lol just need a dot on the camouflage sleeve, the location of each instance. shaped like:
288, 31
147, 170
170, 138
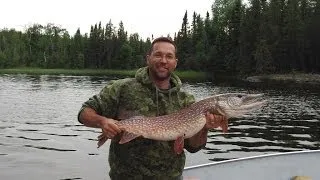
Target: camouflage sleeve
192, 149
106, 102
188, 99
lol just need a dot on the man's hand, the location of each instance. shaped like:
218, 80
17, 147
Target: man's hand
109, 128
215, 121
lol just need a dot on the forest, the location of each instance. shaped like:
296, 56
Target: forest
235, 38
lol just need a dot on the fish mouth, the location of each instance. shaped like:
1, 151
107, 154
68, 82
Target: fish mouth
250, 102
254, 101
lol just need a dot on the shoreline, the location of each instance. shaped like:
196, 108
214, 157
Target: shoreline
288, 78
298, 78
184, 75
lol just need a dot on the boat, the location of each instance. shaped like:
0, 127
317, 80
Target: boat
296, 165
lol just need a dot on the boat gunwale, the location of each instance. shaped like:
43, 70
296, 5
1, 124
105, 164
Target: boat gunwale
251, 157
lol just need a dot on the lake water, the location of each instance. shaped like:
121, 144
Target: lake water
40, 137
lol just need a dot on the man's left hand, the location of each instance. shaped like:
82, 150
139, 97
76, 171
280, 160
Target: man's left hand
215, 121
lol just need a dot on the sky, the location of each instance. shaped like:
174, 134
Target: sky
145, 17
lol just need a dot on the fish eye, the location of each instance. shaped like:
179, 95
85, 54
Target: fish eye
239, 96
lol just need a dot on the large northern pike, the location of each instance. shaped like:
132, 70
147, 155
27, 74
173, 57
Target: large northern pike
188, 121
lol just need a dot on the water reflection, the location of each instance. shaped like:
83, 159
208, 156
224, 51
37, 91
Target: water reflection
39, 129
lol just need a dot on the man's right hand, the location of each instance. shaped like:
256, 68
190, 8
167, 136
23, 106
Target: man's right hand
89, 117
109, 127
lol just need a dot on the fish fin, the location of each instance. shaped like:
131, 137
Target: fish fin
127, 136
224, 126
101, 140
179, 145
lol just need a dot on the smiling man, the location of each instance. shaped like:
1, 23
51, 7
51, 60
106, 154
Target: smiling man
161, 61
154, 91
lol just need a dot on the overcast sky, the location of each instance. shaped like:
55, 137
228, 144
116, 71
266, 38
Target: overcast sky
146, 17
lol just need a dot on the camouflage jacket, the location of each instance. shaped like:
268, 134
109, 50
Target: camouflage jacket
141, 158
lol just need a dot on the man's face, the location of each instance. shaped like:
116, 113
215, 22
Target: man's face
162, 60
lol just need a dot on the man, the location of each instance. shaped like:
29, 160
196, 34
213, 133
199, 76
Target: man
154, 91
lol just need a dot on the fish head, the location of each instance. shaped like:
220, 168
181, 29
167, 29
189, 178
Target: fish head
234, 105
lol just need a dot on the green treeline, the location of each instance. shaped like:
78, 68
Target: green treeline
274, 36
52, 47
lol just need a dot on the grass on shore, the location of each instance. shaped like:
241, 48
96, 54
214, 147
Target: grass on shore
187, 75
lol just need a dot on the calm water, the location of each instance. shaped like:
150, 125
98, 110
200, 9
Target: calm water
40, 137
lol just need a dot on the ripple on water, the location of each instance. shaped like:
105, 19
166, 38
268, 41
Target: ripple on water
28, 130
63, 135
6, 127
28, 138
49, 148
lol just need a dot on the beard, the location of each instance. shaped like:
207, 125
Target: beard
159, 76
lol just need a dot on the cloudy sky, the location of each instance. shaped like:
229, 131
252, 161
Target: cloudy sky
146, 17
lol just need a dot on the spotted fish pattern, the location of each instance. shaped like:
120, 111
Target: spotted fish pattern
188, 121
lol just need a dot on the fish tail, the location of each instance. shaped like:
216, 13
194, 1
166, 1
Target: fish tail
101, 140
